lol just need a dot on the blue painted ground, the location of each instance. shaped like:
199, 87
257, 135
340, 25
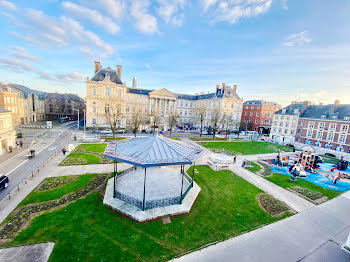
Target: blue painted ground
318, 179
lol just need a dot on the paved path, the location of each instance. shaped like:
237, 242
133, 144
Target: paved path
315, 234
29, 253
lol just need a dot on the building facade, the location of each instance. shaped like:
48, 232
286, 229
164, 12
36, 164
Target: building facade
285, 122
59, 106
7, 133
106, 89
325, 126
257, 114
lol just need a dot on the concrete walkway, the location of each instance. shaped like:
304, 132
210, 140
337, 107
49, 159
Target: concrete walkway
315, 234
29, 253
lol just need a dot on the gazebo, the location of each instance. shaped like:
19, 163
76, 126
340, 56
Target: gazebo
152, 187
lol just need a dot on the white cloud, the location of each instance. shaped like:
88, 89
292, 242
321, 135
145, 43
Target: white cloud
284, 4
115, 8
92, 15
297, 39
234, 10
7, 5
144, 22
15, 65
69, 77
20, 52
170, 11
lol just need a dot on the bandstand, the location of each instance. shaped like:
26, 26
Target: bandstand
157, 184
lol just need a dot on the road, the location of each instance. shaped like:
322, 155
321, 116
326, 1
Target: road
19, 167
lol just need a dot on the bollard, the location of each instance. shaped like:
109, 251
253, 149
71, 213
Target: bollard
18, 188
32, 174
9, 196
25, 181
38, 170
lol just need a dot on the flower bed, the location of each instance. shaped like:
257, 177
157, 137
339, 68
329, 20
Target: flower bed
310, 194
21, 216
55, 182
272, 205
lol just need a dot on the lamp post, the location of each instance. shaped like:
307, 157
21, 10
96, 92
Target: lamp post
84, 120
78, 116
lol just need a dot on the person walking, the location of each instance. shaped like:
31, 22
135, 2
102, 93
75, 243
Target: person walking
64, 151
234, 159
21, 143
10, 149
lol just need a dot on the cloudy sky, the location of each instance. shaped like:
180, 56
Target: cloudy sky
277, 50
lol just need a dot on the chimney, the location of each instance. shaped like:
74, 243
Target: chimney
336, 104
97, 66
235, 88
223, 87
217, 89
119, 71
196, 94
202, 93
134, 82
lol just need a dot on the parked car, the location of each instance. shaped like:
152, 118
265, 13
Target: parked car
4, 182
19, 135
106, 131
121, 131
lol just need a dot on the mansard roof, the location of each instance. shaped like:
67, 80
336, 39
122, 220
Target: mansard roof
327, 112
25, 91
260, 102
101, 74
139, 91
293, 109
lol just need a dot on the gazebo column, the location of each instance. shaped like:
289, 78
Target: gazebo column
144, 191
182, 183
115, 175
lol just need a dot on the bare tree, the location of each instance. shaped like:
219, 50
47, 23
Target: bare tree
137, 118
244, 124
215, 120
226, 121
113, 114
199, 113
154, 120
173, 119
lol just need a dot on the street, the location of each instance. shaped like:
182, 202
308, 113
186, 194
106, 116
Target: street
19, 167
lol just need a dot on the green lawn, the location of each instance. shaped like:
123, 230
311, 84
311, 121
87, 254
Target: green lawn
88, 230
207, 138
283, 181
248, 148
254, 167
108, 139
41, 196
95, 147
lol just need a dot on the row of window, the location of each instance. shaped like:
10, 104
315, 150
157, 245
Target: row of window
287, 117
326, 145
284, 131
10, 99
332, 126
335, 117
266, 122
257, 114
330, 136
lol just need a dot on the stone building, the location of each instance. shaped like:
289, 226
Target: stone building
325, 126
258, 115
106, 89
7, 133
63, 106
285, 122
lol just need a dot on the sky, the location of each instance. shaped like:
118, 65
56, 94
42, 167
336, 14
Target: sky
276, 50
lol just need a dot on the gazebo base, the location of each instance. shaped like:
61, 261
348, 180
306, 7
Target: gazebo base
149, 214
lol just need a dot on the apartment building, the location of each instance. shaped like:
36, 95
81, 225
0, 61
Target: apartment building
106, 89
285, 122
325, 126
257, 114
7, 133
63, 106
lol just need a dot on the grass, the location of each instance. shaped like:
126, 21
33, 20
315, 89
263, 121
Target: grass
248, 148
41, 196
283, 181
114, 139
95, 147
254, 167
88, 230
207, 139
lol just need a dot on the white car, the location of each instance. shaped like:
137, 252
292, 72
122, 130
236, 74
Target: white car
106, 131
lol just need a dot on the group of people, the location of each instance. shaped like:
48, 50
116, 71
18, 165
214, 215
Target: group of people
19, 144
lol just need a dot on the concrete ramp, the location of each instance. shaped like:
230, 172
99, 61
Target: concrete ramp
29, 253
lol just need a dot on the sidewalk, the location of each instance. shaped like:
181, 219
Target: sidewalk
316, 234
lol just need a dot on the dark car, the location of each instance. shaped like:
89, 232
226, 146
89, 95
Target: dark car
19, 135
4, 182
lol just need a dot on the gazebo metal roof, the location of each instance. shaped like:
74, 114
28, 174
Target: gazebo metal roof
152, 151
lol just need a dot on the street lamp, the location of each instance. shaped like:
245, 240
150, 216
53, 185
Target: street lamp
78, 116
84, 120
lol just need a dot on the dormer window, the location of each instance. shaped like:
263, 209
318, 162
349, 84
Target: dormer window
324, 116
346, 118
334, 117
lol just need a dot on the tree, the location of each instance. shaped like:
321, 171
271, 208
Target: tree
113, 114
226, 121
154, 120
137, 118
199, 113
173, 119
244, 124
215, 120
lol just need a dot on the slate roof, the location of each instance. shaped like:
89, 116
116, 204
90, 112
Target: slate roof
260, 102
290, 110
152, 151
139, 91
25, 91
229, 92
3, 110
101, 74
328, 111
64, 97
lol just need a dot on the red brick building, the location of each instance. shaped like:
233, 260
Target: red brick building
326, 126
257, 115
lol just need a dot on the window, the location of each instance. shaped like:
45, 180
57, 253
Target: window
332, 127
292, 132
334, 117
245, 113
274, 129
280, 130
94, 109
282, 117
247, 107
267, 121
107, 91
311, 124
319, 135
263, 115
321, 125
299, 131
286, 131
293, 124
287, 124
309, 133
288, 117
120, 94
346, 118
127, 109
251, 114
94, 121
107, 108
281, 123
330, 137
258, 107
342, 138
252, 107
344, 128
94, 91
257, 114
300, 123
256, 121
94, 103
323, 116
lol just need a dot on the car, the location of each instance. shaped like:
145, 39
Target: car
19, 135
4, 182
106, 131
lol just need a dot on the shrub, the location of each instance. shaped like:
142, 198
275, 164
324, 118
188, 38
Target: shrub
267, 170
55, 182
272, 205
310, 194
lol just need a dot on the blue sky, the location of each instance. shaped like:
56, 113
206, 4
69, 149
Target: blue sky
277, 50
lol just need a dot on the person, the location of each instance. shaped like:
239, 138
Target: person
10, 149
234, 159
21, 143
17, 144
243, 164
64, 151
336, 178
